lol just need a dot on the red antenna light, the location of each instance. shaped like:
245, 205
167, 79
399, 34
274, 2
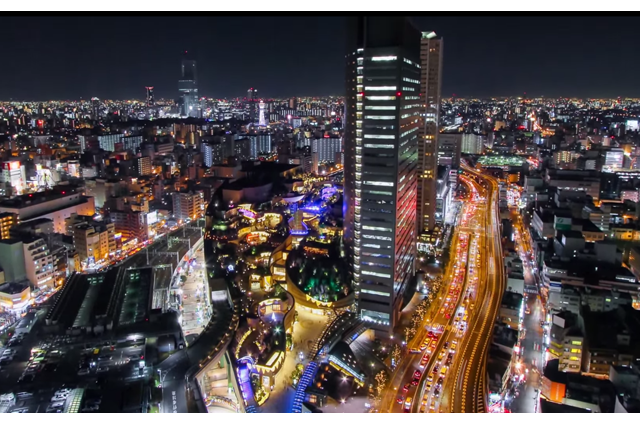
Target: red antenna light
399, 93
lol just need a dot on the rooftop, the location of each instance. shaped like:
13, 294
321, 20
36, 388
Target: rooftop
511, 300
30, 199
13, 287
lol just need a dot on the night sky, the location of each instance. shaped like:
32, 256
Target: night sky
116, 57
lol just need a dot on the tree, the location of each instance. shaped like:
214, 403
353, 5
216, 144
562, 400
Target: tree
381, 382
396, 353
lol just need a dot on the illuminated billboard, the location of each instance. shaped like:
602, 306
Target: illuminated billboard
152, 217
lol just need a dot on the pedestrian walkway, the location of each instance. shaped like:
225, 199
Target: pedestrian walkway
195, 311
305, 381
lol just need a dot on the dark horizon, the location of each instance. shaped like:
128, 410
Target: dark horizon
61, 58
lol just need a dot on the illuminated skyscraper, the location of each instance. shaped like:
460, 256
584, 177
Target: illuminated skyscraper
150, 99
188, 87
380, 153
251, 104
430, 84
262, 121
95, 108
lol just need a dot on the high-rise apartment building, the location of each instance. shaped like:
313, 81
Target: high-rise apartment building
188, 87
38, 263
94, 241
188, 205
131, 143
213, 153
430, 87
472, 144
108, 141
144, 166
381, 140
130, 225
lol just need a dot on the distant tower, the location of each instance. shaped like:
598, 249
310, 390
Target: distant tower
188, 87
262, 122
95, 106
150, 99
251, 104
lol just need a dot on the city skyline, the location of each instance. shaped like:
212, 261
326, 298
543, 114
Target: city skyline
509, 62
386, 249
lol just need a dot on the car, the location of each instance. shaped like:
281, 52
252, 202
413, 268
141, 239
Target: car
400, 400
446, 345
102, 369
443, 371
63, 392
59, 397
428, 386
83, 372
57, 404
415, 382
24, 395
440, 381
430, 377
90, 409
105, 357
407, 404
436, 392
23, 410
6, 359
417, 374
406, 387
454, 345
53, 410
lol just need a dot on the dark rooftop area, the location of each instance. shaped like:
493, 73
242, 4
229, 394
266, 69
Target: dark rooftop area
511, 300
39, 197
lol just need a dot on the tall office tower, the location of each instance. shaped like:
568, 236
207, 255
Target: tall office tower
262, 122
95, 108
251, 104
430, 84
188, 87
380, 153
150, 99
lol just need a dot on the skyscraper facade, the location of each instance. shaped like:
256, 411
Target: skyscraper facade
430, 85
380, 149
150, 98
188, 87
262, 121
